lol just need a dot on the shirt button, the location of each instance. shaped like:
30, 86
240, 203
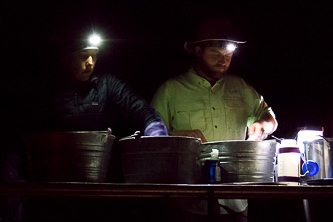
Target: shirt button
215, 126
213, 108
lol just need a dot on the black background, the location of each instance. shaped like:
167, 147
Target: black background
287, 56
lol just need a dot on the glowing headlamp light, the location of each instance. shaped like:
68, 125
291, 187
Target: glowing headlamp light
94, 40
230, 47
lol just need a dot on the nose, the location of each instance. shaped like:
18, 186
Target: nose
90, 61
222, 59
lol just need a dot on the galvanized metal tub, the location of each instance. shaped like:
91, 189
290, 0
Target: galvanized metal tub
242, 161
77, 156
160, 159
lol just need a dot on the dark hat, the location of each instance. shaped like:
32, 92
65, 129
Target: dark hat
69, 41
215, 31
68, 46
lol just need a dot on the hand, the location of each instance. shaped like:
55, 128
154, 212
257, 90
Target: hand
156, 129
257, 132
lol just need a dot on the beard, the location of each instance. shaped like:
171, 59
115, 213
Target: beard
216, 71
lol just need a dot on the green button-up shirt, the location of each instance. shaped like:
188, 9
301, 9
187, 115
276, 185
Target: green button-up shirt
221, 112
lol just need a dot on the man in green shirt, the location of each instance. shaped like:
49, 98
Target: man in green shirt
207, 98
208, 101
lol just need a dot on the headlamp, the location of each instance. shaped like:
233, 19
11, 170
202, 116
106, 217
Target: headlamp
94, 40
231, 47
226, 45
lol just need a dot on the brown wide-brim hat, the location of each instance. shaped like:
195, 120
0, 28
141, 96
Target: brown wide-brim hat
213, 30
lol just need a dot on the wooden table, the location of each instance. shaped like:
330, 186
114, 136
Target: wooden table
124, 190
147, 191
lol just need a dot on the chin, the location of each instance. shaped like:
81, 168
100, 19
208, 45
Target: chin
85, 77
222, 71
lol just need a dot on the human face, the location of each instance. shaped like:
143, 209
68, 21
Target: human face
81, 64
213, 62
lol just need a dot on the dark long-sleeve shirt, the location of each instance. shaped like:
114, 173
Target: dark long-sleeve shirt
93, 105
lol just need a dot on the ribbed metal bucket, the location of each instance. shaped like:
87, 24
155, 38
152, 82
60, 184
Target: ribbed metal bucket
242, 161
77, 156
162, 159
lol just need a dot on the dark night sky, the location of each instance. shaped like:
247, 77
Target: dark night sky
286, 57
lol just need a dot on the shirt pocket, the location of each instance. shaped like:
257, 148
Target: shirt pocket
236, 114
189, 115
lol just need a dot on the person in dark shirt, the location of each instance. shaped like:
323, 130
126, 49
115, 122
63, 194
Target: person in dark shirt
66, 94
77, 98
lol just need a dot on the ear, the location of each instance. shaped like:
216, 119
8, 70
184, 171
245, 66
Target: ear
198, 51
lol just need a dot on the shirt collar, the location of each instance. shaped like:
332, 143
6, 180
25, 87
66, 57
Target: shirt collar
93, 79
200, 81
195, 78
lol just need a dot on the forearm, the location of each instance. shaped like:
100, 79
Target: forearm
263, 127
268, 123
